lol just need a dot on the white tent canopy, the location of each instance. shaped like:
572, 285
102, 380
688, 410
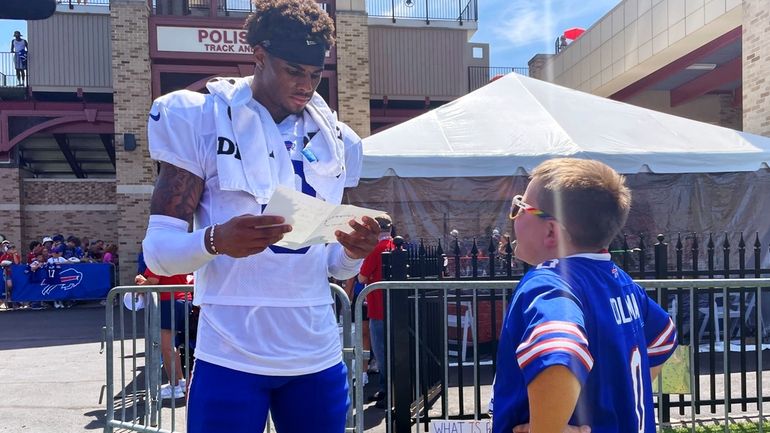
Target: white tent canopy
517, 122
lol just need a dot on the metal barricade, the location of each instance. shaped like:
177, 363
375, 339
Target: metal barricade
143, 413
662, 290
139, 407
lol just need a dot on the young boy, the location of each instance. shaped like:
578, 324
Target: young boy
581, 341
53, 269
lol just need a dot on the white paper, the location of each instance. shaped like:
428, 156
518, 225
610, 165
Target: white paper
313, 221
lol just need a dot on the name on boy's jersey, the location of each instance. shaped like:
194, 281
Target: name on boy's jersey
625, 311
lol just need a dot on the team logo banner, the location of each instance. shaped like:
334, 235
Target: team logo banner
57, 282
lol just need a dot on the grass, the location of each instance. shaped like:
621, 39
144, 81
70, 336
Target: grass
740, 427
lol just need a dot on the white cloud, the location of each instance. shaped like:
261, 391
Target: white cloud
519, 23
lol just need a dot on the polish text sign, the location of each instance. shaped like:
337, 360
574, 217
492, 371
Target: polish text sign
202, 40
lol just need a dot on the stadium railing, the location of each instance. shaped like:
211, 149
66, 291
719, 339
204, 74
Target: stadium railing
725, 380
430, 380
74, 3
690, 255
479, 76
7, 70
138, 407
137, 371
424, 10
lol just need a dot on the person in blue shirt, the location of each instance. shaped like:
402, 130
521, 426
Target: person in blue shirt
72, 249
581, 341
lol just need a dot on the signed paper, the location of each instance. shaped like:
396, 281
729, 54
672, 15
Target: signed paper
313, 221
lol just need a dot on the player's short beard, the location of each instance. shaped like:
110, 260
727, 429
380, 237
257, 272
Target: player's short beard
300, 111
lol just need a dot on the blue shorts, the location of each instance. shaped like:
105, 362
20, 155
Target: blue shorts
231, 401
181, 309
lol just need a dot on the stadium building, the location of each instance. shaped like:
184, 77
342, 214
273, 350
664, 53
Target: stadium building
706, 60
73, 147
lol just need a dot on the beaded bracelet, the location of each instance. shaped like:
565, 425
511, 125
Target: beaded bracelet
211, 239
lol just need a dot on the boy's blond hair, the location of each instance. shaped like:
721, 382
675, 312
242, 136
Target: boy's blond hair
587, 197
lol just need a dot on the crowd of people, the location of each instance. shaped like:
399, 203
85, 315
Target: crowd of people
55, 249
71, 249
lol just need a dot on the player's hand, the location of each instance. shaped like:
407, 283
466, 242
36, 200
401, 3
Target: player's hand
246, 235
524, 428
139, 280
362, 240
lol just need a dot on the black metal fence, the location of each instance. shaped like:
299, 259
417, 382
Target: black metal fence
74, 3
692, 256
246, 6
479, 76
426, 10
203, 7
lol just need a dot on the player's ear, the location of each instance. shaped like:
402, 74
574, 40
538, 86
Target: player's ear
260, 57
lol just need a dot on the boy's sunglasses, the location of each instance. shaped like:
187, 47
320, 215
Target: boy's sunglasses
518, 206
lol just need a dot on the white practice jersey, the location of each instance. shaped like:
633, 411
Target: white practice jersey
245, 323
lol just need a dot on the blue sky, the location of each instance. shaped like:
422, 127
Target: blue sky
7, 27
516, 30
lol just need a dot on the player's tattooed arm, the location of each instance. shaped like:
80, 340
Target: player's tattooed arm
177, 193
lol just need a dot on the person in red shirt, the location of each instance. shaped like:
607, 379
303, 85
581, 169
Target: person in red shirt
371, 272
10, 254
35, 249
9, 257
177, 387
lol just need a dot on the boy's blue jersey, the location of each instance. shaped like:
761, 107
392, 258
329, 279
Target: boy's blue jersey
586, 314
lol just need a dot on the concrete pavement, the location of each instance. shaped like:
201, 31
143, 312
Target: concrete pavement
51, 371
51, 376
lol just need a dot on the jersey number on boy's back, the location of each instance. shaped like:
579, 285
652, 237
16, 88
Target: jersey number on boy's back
638, 384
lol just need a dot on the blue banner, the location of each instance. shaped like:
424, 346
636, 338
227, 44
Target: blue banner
61, 282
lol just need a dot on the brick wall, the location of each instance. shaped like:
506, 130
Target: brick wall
132, 83
730, 115
756, 67
82, 207
93, 224
715, 109
537, 67
66, 192
134, 211
353, 70
10, 204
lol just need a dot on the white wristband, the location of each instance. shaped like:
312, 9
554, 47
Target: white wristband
169, 249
